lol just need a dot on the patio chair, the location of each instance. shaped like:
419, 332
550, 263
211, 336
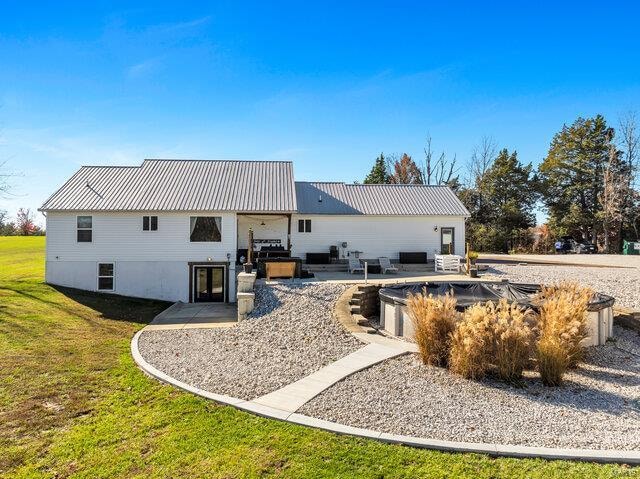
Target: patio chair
385, 265
354, 265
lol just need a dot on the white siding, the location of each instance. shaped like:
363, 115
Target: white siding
149, 264
375, 236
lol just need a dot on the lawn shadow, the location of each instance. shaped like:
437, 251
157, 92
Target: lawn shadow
116, 307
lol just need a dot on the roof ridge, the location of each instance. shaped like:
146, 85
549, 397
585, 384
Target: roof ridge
217, 160
110, 166
373, 184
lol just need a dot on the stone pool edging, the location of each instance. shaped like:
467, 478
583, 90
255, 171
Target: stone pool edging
495, 450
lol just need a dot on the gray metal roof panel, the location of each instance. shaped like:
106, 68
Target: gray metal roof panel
179, 185
406, 200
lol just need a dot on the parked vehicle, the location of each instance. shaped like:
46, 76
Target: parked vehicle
567, 245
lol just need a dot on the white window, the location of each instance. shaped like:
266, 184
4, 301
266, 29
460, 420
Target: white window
106, 274
149, 223
84, 225
304, 226
206, 228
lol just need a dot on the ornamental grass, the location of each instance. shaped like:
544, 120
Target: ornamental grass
512, 339
562, 328
471, 343
434, 319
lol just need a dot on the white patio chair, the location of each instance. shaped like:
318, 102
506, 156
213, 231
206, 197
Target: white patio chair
354, 265
385, 265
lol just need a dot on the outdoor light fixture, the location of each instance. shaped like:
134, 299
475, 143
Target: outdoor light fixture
435, 228
208, 259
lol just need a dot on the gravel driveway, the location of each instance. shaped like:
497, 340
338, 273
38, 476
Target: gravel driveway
290, 334
621, 283
597, 408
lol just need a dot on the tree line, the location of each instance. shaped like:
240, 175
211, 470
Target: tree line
23, 225
588, 184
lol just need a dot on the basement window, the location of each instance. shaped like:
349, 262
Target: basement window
84, 225
304, 226
206, 229
105, 276
150, 223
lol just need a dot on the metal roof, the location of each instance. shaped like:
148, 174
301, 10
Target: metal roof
179, 185
408, 200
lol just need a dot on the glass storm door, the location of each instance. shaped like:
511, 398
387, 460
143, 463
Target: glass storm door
446, 241
208, 284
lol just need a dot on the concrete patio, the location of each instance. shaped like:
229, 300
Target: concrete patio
195, 315
391, 278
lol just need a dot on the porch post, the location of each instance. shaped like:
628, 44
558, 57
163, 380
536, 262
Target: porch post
289, 232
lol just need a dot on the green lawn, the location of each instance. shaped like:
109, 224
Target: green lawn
73, 404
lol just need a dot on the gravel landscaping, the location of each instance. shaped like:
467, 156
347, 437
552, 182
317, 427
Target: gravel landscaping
289, 335
597, 408
621, 283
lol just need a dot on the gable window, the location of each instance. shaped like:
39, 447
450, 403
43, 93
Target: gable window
304, 226
206, 228
105, 276
150, 223
84, 227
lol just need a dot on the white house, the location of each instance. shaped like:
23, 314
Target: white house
174, 229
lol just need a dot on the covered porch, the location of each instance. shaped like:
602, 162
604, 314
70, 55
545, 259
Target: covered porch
271, 236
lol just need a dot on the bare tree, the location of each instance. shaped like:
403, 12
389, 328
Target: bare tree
629, 143
614, 191
482, 158
440, 171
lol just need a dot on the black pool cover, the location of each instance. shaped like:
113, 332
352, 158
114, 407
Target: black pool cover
469, 293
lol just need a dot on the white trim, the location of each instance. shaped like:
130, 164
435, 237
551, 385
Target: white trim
113, 276
84, 229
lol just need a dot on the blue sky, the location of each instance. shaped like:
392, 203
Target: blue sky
327, 85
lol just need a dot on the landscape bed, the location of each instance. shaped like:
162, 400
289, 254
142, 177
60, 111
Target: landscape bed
75, 405
596, 408
289, 335
395, 319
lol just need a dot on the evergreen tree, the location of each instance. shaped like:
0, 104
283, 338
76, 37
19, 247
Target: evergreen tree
378, 173
501, 203
572, 176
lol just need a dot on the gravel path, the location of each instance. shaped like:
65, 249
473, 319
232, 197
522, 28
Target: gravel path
621, 283
290, 334
597, 408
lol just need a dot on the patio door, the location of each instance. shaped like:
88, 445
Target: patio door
208, 284
447, 245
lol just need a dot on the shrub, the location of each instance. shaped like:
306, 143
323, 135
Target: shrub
471, 343
434, 319
512, 339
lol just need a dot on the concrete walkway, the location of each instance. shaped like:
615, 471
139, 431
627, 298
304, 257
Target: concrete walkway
293, 396
195, 315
